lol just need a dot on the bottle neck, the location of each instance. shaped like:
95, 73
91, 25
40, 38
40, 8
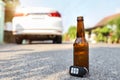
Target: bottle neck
80, 29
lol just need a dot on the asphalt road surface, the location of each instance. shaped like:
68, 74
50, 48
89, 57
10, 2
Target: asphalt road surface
46, 61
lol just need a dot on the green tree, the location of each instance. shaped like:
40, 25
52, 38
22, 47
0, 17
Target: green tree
116, 32
105, 31
72, 32
102, 34
118, 28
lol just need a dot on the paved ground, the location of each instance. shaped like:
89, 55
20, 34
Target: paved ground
45, 61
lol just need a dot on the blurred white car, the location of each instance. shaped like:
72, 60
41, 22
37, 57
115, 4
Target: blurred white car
37, 23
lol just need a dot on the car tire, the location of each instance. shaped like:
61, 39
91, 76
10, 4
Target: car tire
57, 39
18, 40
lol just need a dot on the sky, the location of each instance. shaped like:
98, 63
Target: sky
92, 10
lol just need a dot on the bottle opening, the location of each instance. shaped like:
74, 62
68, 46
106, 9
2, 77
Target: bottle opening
80, 18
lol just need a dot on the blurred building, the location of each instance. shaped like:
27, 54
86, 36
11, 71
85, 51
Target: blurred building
100, 24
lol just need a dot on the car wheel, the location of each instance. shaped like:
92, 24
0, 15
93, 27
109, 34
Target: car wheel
57, 39
18, 40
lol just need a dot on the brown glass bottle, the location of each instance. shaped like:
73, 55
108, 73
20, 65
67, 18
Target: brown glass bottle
81, 47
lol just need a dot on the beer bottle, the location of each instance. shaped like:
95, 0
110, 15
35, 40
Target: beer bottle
80, 46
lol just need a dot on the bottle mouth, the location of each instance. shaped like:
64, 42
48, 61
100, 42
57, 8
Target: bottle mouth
80, 18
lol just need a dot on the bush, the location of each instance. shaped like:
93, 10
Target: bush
72, 32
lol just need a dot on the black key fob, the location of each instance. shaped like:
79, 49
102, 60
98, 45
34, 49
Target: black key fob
78, 71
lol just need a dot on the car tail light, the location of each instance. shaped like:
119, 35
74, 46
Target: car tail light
20, 14
55, 14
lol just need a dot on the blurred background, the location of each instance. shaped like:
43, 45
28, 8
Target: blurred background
101, 18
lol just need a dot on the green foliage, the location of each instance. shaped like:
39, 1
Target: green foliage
118, 28
116, 32
102, 34
96, 31
100, 37
105, 30
114, 38
72, 32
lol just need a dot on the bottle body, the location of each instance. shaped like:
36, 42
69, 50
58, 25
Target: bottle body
81, 53
81, 46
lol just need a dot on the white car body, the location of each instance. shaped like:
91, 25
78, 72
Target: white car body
37, 23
